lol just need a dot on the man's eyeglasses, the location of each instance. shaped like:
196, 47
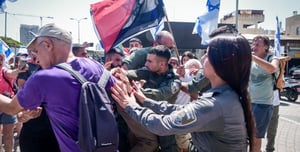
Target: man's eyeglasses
257, 45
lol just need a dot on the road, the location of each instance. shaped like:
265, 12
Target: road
290, 110
288, 132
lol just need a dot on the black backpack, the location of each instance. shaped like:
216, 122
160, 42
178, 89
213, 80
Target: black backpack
98, 131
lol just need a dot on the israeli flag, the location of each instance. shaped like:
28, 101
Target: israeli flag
157, 29
277, 50
2, 6
4, 49
208, 21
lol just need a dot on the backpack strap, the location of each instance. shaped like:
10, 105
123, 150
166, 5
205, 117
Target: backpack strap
104, 78
273, 74
101, 82
74, 73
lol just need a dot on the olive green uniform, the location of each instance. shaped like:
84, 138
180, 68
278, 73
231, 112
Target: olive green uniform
136, 59
158, 87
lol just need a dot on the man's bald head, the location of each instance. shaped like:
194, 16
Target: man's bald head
165, 38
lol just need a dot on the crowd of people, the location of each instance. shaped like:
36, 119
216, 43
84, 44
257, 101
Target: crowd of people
222, 101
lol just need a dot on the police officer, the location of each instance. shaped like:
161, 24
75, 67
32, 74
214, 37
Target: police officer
161, 84
221, 119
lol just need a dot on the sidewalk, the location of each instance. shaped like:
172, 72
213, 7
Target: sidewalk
288, 132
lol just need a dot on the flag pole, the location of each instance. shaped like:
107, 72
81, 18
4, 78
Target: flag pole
236, 15
171, 31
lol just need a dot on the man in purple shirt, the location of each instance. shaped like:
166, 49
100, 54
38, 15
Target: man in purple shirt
56, 89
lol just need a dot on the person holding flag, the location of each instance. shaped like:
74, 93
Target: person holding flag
261, 85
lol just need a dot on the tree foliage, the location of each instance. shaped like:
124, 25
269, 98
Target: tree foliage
11, 42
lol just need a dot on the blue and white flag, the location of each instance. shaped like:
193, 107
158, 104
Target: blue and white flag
2, 6
157, 29
277, 50
4, 49
208, 21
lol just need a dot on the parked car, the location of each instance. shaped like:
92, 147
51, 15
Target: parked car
295, 72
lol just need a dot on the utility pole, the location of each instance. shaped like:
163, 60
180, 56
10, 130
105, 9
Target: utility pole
5, 28
78, 25
26, 15
236, 15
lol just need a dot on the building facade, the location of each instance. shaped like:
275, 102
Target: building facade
25, 35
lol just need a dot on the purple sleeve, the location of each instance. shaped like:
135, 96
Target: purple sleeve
111, 82
31, 95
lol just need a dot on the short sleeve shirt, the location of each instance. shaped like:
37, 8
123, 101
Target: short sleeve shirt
261, 85
58, 91
5, 87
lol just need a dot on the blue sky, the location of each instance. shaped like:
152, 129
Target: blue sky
177, 10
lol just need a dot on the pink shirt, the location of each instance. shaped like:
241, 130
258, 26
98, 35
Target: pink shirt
6, 88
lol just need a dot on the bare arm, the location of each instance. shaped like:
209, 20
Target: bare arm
12, 73
10, 106
267, 66
20, 83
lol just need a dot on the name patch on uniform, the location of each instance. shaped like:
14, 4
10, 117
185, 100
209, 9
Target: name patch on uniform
185, 117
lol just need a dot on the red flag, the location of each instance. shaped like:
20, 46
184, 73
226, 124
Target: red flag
119, 20
109, 17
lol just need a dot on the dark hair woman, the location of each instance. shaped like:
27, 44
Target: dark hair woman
186, 56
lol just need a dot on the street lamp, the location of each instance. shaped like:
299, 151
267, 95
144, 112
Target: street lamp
78, 25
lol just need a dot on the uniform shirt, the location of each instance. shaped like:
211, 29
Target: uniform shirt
198, 84
58, 91
216, 120
136, 59
261, 85
165, 86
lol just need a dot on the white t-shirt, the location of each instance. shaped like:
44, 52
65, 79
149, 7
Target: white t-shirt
276, 98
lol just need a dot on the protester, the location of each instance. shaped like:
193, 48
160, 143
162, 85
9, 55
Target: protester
261, 86
79, 50
7, 77
272, 129
174, 62
187, 55
134, 44
36, 134
59, 92
113, 58
221, 120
